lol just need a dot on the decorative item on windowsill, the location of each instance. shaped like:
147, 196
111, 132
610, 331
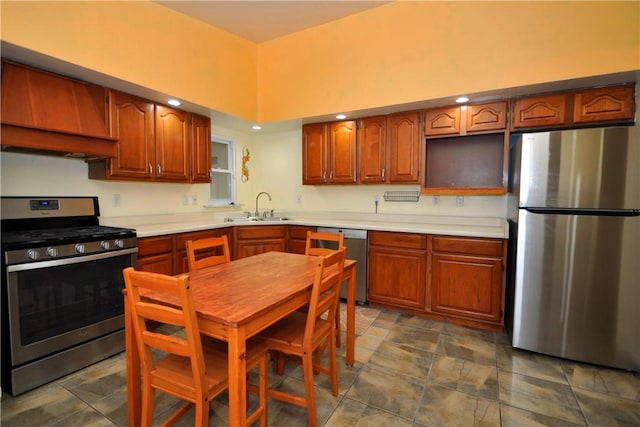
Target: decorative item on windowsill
246, 157
401, 196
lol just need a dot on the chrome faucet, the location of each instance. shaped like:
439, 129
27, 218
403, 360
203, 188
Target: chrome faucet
257, 197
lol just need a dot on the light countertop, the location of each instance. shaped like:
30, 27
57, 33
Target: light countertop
156, 225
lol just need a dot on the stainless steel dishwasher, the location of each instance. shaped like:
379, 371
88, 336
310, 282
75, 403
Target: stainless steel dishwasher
356, 244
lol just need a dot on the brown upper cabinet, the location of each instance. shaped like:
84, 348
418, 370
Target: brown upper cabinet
460, 120
604, 105
329, 153
466, 150
390, 149
46, 111
585, 107
155, 143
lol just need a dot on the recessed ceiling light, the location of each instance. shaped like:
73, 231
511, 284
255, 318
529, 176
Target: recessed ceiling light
174, 102
341, 117
462, 99
256, 127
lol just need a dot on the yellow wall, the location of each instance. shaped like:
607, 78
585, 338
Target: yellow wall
142, 43
411, 51
398, 53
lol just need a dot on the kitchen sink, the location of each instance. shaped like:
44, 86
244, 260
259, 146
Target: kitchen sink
257, 219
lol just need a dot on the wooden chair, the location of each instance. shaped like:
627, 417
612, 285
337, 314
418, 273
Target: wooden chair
300, 334
218, 245
183, 367
313, 237
312, 248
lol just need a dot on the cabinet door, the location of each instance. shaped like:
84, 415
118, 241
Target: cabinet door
200, 151
342, 152
172, 144
487, 117
132, 123
372, 150
540, 111
442, 121
155, 254
405, 148
467, 286
604, 104
314, 153
247, 248
397, 277
297, 238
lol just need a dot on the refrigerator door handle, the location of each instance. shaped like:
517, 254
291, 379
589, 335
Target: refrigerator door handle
584, 211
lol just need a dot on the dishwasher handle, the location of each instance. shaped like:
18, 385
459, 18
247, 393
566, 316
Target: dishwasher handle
349, 233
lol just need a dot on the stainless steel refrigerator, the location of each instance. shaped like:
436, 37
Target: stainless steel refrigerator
574, 206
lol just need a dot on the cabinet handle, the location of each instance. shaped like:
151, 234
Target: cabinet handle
383, 170
150, 170
331, 176
324, 176
159, 170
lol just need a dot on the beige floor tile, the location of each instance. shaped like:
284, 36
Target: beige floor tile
536, 395
613, 382
351, 413
515, 417
465, 376
443, 407
531, 364
602, 410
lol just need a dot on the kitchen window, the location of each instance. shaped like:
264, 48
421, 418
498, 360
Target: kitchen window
223, 177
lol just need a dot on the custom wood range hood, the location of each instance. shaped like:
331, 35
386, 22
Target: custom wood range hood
46, 113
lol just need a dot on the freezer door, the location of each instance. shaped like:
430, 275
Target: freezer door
577, 288
586, 168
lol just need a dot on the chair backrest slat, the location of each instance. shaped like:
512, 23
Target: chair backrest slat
313, 237
215, 248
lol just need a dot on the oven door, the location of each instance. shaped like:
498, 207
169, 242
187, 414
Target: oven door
56, 304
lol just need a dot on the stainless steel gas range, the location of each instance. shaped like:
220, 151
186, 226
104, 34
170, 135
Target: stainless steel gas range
62, 303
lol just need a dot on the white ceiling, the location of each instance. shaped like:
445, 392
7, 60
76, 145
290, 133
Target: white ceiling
264, 20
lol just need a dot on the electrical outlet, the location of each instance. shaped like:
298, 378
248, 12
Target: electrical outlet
459, 201
436, 200
185, 200
115, 202
299, 198
194, 200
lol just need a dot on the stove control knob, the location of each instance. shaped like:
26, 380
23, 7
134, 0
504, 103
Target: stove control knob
105, 245
33, 254
52, 252
119, 243
81, 248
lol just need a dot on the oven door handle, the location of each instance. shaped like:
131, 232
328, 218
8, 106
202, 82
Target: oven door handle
68, 261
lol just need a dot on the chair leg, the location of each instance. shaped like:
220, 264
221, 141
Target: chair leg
147, 406
307, 366
333, 365
338, 335
264, 418
202, 413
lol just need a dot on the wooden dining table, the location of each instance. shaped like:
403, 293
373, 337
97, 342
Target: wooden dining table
235, 301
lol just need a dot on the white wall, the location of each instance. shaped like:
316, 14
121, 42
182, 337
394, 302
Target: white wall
275, 167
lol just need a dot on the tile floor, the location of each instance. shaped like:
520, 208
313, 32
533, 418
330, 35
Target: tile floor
410, 371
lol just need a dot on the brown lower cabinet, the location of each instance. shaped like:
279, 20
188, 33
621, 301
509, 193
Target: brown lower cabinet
459, 279
297, 238
155, 254
467, 278
397, 269
256, 239
182, 265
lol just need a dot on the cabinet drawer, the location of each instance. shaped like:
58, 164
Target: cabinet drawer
468, 246
260, 232
604, 104
181, 239
402, 240
487, 117
540, 111
299, 231
155, 245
